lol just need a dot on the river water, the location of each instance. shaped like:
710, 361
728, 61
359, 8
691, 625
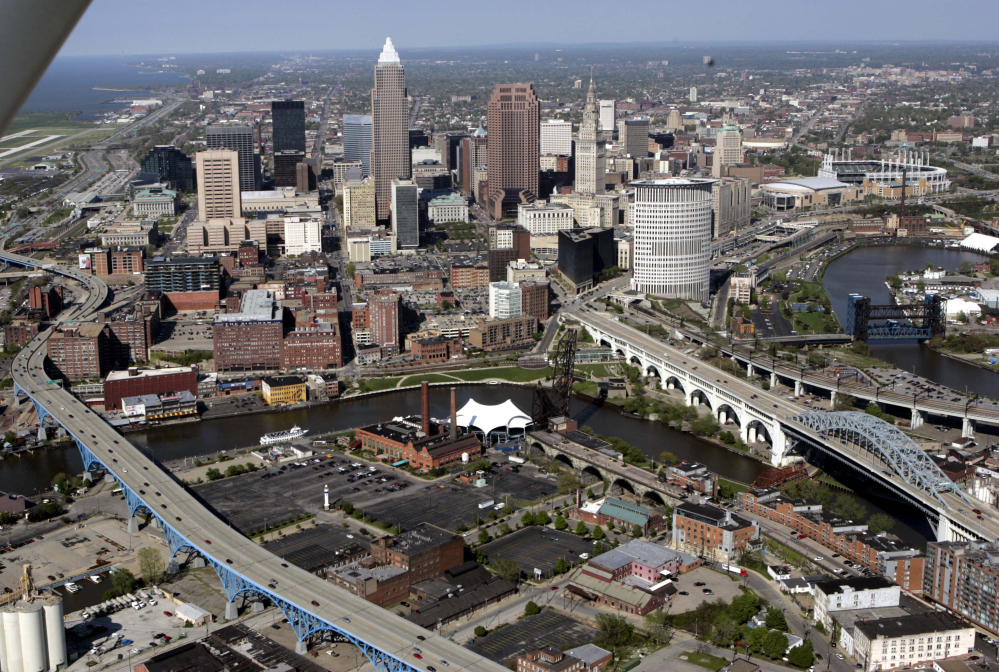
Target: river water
863, 271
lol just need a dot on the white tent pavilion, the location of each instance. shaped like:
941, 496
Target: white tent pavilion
504, 419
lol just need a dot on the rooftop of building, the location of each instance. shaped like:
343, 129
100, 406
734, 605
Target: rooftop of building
642, 552
590, 654
420, 539
688, 467
181, 261
719, 517
284, 381
147, 373
674, 182
854, 584
357, 573
913, 624
258, 305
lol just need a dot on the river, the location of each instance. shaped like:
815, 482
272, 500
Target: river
863, 271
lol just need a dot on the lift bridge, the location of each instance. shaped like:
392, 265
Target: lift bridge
922, 321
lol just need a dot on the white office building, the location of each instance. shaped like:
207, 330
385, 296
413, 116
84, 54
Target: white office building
447, 208
302, 235
672, 237
544, 219
556, 137
608, 115
728, 149
504, 300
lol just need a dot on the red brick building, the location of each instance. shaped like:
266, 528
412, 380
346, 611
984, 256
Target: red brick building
312, 347
534, 299
469, 277
384, 315
19, 332
250, 340
426, 551
437, 349
133, 382
705, 530
77, 353
47, 302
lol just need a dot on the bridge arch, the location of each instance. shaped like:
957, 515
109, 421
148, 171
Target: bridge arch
698, 397
756, 432
673, 383
590, 474
604, 342
563, 460
728, 414
620, 485
653, 370
653, 498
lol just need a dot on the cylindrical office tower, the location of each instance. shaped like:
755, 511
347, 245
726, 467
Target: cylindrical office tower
672, 242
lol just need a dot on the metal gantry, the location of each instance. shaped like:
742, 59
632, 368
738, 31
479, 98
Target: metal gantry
550, 403
305, 624
896, 449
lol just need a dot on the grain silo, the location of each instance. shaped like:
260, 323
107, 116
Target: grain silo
32, 634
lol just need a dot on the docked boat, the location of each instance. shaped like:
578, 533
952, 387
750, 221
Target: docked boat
283, 436
72, 587
96, 578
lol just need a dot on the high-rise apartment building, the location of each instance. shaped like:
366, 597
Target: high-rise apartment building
962, 576
672, 247
728, 148
556, 137
406, 213
693, 94
359, 203
633, 136
474, 154
240, 139
513, 116
288, 121
591, 150
218, 184
302, 235
171, 166
608, 115
731, 205
390, 154
504, 300
383, 312
357, 140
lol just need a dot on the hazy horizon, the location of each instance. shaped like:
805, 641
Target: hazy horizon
116, 27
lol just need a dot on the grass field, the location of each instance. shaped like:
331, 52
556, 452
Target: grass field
705, 660
599, 370
511, 373
732, 485
817, 323
47, 120
429, 377
379, 384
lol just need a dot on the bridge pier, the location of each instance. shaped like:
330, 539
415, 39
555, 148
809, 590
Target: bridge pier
779, 448
722, 417
42, 434
968, 427
88, 477
750, 435
832, 399
133, 525
750, 371
198, 563
773, 379
108, 478
918, 419
231, 611
670, 385
173, 566
302, 648
256, 607
799, 388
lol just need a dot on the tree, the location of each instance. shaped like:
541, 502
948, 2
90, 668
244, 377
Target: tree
150, 565
614, 631
757, 636
636, 531
561, 566
598, 533
505, 569
774, 644
527, 519
706, 425
480, 631
560, 523
10, 437
668, 458
880, 522
581, 529
844, 402
351, 270
744, 608
213, 474
802, 656
123, 581
532, 608
483, 537
966, 267
849, 507
776, 620
568, 481
542, 518
446, 305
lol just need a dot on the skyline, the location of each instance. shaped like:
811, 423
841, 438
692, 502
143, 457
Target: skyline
109, 26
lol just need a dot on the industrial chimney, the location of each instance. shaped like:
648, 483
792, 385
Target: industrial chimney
454, 414
425, 407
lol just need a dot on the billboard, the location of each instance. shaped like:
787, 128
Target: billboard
84, 260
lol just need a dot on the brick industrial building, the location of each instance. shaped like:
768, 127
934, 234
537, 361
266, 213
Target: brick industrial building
135, 382
187, 283
504, 334
251, 339
709, 531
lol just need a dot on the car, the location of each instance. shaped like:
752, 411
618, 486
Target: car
228, 561
976, 512
708, 591
167, 613
554, 587
445, 663
684, 592
421, 638
818, 558
314, 603
840, 656
802, 536
431, 668
699, 583
208, 541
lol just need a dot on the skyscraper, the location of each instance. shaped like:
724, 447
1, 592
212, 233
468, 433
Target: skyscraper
285, 167
406, 212
591, 150
672, 245
556, 137
633, 135
288, 119
390, 153
171, 166
608, 112
675, 121
473, 154
728, 149
218, 184
239, 138
357, 140
693, 94
514, 118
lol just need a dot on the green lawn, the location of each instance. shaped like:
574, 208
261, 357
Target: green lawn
817, 323
599, 370
379, 384
429, 377
588, 388
705, 660
732, 485
23, 122
511, 373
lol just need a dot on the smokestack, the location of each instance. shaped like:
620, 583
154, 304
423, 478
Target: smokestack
454, 414
425, 407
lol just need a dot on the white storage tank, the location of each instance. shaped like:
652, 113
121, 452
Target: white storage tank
3, 648
12, 641
55, 634
34, 650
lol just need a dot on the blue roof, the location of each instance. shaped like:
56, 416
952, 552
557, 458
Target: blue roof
630, 513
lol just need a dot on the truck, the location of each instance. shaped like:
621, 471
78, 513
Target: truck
486, 504
517, 460
735, 569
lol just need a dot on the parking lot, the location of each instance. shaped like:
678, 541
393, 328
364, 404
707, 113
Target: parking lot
721, 585
315, 545
532, 633
188, 333
535, 547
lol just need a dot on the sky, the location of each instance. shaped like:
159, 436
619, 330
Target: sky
199, 26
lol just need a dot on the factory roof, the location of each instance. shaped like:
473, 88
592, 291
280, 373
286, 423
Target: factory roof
421, 538
147, 373
643, 552
258, 305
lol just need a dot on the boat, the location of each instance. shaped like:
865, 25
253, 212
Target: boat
96, 578
283, 436
72, 587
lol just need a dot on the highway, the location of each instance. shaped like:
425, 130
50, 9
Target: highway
240, 561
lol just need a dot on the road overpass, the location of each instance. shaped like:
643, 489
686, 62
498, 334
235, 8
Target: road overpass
247, 571
878, 450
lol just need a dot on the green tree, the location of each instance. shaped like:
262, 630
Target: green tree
614, 631
744, 608
10, 437
527, 519
668, 458
213, 474
776, 620
581, 529
757, 636
151, 565
483, 537
774, 644
880, 522
560, 523
706, 425
542, 518
598, 533
561, 566
844, 402
505, 569
636, 531
532, 608
504, 529
568, 481
802, 656
123, 581
480, 631
351, 270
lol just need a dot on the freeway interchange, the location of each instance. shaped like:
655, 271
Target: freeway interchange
247, 570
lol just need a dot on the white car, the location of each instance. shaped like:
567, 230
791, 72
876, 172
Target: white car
818, 559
